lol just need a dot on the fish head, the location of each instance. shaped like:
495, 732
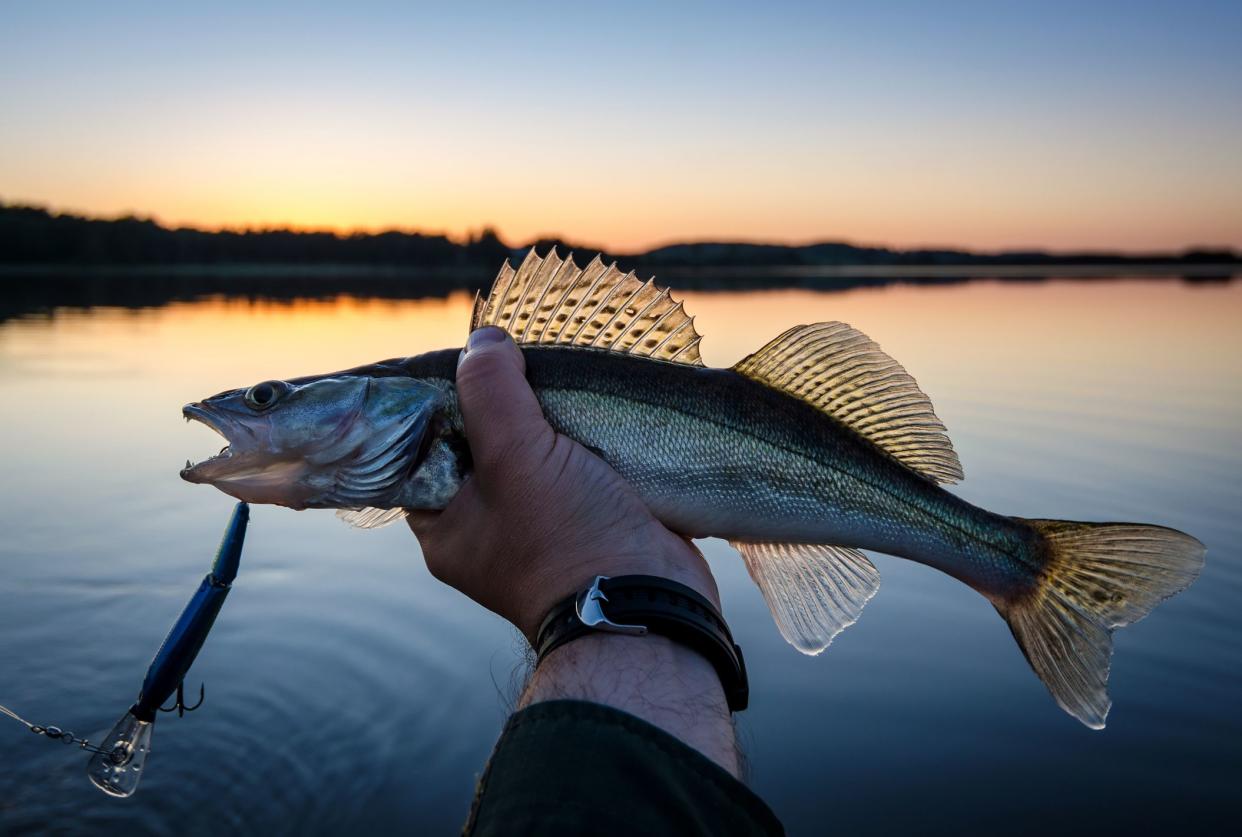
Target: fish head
328, 442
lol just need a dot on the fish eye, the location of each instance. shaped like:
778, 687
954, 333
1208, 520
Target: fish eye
261, 396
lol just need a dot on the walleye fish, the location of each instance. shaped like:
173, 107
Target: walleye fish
811, 449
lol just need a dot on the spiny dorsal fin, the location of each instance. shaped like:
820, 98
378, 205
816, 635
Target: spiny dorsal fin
814, 591
843, 372
551, 302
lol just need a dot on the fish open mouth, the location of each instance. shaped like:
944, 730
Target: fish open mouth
194, 412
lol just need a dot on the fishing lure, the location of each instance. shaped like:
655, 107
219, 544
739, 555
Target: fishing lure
118, 762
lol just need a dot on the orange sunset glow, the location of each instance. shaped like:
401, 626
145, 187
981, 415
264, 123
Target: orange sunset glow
908, 132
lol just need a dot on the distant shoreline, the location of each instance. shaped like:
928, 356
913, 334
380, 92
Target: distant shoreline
37, 242
725, 274
52, 260
44, 289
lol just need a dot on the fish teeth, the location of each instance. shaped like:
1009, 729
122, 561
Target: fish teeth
188, 464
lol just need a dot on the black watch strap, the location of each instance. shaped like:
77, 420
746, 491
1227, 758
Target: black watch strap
641, 604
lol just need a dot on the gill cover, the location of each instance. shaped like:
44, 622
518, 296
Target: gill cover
398, 414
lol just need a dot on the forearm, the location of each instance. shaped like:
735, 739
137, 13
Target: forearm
666, 684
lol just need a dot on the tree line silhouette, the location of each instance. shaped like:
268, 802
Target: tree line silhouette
32, 235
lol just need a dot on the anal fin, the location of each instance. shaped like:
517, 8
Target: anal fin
814, 591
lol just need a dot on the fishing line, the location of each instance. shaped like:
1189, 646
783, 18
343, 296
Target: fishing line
14, 715
56, 733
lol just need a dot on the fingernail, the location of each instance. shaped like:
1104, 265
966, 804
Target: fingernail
485, 336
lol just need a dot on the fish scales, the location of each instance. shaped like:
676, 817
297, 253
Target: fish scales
714, 453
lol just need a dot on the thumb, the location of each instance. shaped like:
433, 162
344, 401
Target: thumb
502, 416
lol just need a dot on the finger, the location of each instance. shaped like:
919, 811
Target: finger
500, 411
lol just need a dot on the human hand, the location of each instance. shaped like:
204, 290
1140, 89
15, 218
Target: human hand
541, 515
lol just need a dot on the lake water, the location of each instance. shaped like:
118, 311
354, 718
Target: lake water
347, 689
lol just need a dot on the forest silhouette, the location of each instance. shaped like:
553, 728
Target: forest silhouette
33, 235
52, 260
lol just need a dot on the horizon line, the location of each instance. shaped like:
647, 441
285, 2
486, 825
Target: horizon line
342, 232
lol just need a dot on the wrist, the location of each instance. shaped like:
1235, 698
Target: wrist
652, 677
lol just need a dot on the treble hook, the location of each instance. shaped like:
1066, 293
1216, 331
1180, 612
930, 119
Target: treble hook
179, 705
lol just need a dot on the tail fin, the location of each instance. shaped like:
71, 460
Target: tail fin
1098, 577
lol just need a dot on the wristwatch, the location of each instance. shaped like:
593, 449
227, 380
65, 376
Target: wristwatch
640, 604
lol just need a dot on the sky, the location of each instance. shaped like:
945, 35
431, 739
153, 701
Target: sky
988, 125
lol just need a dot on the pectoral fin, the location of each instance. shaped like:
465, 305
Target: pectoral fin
369, 518
814, 591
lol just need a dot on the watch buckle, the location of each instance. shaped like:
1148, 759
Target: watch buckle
590, 612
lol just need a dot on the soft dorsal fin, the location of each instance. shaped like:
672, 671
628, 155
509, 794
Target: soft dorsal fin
841, 371
548, 301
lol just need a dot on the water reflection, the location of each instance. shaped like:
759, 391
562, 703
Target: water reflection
347, 688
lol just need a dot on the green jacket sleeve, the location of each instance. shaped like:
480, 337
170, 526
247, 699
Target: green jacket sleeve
570, 767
